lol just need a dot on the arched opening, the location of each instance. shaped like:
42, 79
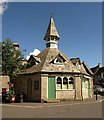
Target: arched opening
71, 83
65, 83
59, 83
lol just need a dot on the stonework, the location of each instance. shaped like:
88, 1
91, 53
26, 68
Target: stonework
4, 83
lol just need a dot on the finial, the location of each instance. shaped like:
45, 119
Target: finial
51, 14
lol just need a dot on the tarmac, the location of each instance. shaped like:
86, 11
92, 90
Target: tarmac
91, 99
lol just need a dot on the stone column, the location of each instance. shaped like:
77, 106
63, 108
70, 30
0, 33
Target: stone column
78, 87
91, 86
44, 87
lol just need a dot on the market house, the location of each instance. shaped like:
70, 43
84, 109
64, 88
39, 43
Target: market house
53, 76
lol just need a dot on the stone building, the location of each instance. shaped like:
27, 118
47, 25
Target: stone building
53, 76
4, 83
98, 74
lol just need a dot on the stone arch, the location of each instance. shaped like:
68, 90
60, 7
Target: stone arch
59, 82
65, 83
71, 83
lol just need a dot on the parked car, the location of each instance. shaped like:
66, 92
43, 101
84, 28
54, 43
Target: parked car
7, 97
98, 89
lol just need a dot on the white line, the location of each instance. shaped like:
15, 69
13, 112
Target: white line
101, 100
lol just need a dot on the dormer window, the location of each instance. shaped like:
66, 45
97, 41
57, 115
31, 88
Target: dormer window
33, 61
58, 60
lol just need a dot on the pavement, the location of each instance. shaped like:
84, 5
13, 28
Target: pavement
85, 101
94, 98
99, 98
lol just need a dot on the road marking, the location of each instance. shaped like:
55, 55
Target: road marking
54, 105
101, 100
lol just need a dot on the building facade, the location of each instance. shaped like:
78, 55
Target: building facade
98, 74
4, 83
53, 76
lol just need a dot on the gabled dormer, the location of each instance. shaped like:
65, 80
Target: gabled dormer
33, 60
59, 60
76, 61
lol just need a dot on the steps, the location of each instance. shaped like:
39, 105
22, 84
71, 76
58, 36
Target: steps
52, 101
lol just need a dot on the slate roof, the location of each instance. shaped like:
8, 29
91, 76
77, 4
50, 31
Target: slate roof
87, 68
99, 71
96, 68
45, 65
75, 60
83, 67
46, 56
51, 31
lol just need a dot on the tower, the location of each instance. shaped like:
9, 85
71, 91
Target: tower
51, 36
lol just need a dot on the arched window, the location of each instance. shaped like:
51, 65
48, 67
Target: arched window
71, 83
65, 80
65, 83
58, 61
59, 83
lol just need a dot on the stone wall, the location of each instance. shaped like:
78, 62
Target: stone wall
26, 84
78, 87
91, 87
4, 82
65, 94
44, 87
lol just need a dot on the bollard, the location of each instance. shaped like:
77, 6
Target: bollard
21, 97
96, 94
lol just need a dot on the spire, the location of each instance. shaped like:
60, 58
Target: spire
51, 35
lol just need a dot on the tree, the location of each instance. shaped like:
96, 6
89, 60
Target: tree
11, 60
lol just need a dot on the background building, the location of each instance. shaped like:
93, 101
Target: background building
98, 72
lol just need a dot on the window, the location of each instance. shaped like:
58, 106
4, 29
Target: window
36, 85
59, 83
85, 83
71, 83
48, 45
59, 60
52, 38
65, 83
99, 76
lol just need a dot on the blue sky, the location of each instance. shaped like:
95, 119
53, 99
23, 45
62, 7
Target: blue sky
78, 24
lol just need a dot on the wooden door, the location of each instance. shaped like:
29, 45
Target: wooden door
51, 87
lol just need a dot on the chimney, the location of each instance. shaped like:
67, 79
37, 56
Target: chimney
99, 65
16, 46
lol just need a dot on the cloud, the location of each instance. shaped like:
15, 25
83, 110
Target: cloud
3, 5
35, 53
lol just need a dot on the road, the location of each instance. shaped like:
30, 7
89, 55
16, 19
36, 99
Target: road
77, 109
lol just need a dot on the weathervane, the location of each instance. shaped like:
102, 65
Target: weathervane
51, 14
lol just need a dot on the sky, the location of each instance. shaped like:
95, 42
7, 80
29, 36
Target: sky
79, 25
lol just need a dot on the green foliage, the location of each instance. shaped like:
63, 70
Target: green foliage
11, 60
